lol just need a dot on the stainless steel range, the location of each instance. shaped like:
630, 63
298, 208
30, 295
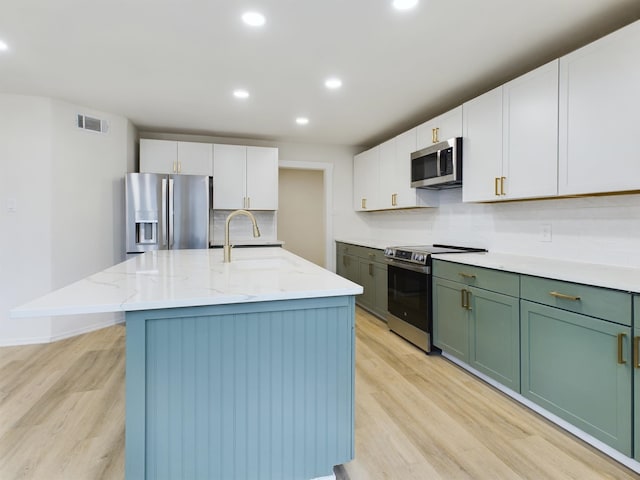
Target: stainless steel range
410, 312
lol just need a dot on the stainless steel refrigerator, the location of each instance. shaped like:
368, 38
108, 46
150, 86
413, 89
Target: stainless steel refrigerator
167, 211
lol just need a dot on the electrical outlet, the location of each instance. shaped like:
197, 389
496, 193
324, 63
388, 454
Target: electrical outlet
545, 232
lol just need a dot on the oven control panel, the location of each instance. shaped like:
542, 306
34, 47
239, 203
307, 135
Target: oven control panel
406, 255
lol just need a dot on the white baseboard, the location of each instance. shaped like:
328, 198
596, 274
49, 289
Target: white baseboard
594, 442
34, 340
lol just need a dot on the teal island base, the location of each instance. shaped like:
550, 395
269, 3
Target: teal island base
251, 391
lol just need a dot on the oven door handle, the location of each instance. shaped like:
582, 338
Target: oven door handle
408, 266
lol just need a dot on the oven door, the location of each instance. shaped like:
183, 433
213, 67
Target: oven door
409, 294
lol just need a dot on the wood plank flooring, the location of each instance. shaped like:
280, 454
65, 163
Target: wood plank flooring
417, 417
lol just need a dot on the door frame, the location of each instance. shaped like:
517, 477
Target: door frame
327, 169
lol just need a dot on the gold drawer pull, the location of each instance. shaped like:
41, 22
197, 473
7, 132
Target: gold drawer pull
466, 275
564, 296
462, 298
636, 352
621, 360
497, 181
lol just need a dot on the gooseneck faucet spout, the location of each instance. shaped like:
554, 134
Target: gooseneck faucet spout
227, 246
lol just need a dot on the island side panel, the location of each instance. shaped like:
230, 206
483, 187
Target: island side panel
254, 390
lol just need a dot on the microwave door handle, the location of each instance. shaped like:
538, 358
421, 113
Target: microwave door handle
438, 169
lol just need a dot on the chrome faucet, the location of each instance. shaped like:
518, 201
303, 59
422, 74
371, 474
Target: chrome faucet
227, 247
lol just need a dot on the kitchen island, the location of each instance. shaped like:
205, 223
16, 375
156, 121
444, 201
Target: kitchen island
234, 371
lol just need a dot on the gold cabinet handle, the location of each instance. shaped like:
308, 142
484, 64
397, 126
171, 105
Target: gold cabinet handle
179, 167
468, 300
636, 352
174, 166
394, 199
621, 361
462, 298
496, 187
434, 135
564, 296
466, 275
372, 256
502, 179
371, 269
364, 203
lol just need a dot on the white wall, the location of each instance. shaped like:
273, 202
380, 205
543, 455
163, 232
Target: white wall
25, 236
76, 178
602, 229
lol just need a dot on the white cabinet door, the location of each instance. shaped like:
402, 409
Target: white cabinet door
366, 180
599, 105
441, 128
482, 147
262, 178
195, 158
158, 156
530, 147
405, 195
388, 191
170, 156
229, 164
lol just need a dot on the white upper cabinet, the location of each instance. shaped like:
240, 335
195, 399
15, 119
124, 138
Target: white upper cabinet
530, 135
599, 104
366, 180
170, 156
395, 175
510, 139
245, 177
482, 147
441, 128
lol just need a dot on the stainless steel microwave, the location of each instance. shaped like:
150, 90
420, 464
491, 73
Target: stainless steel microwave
438, 165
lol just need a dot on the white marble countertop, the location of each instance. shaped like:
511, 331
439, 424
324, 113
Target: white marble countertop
182, 278
252, 243
608, 276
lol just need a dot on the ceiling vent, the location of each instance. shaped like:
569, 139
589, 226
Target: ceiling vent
92, 124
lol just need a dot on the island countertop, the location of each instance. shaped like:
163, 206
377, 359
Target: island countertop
186, 278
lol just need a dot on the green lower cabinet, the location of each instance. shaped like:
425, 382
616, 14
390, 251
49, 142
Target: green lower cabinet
347, 267
450, 318
636, 374
373, 278
495, 336
579, 368
479, 327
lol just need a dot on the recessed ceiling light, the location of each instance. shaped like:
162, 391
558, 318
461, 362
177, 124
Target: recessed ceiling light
253, 19
3, 46
333, 83
404, 4
302, 120
240, 93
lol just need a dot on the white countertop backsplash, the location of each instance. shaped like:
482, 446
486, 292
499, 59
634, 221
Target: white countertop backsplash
182, 278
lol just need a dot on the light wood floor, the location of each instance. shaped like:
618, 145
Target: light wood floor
417, 417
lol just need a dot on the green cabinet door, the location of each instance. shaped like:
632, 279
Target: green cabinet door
579, 368
381, 288
495, 336
366, 274
636, 373
347, 267
450, 318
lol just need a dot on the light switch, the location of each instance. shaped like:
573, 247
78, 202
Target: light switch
12, 205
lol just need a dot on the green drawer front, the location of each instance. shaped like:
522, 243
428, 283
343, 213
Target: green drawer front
612, 305
360, 251
374, 255
486, 278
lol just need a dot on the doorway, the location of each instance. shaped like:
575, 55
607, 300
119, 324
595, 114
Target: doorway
301, 213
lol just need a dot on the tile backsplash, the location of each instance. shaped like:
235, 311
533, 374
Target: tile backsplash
241, 230
604, 229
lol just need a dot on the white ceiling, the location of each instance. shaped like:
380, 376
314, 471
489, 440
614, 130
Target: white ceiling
171, 65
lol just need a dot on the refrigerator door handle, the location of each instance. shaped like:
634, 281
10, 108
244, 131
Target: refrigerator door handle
164, 212
170, 213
